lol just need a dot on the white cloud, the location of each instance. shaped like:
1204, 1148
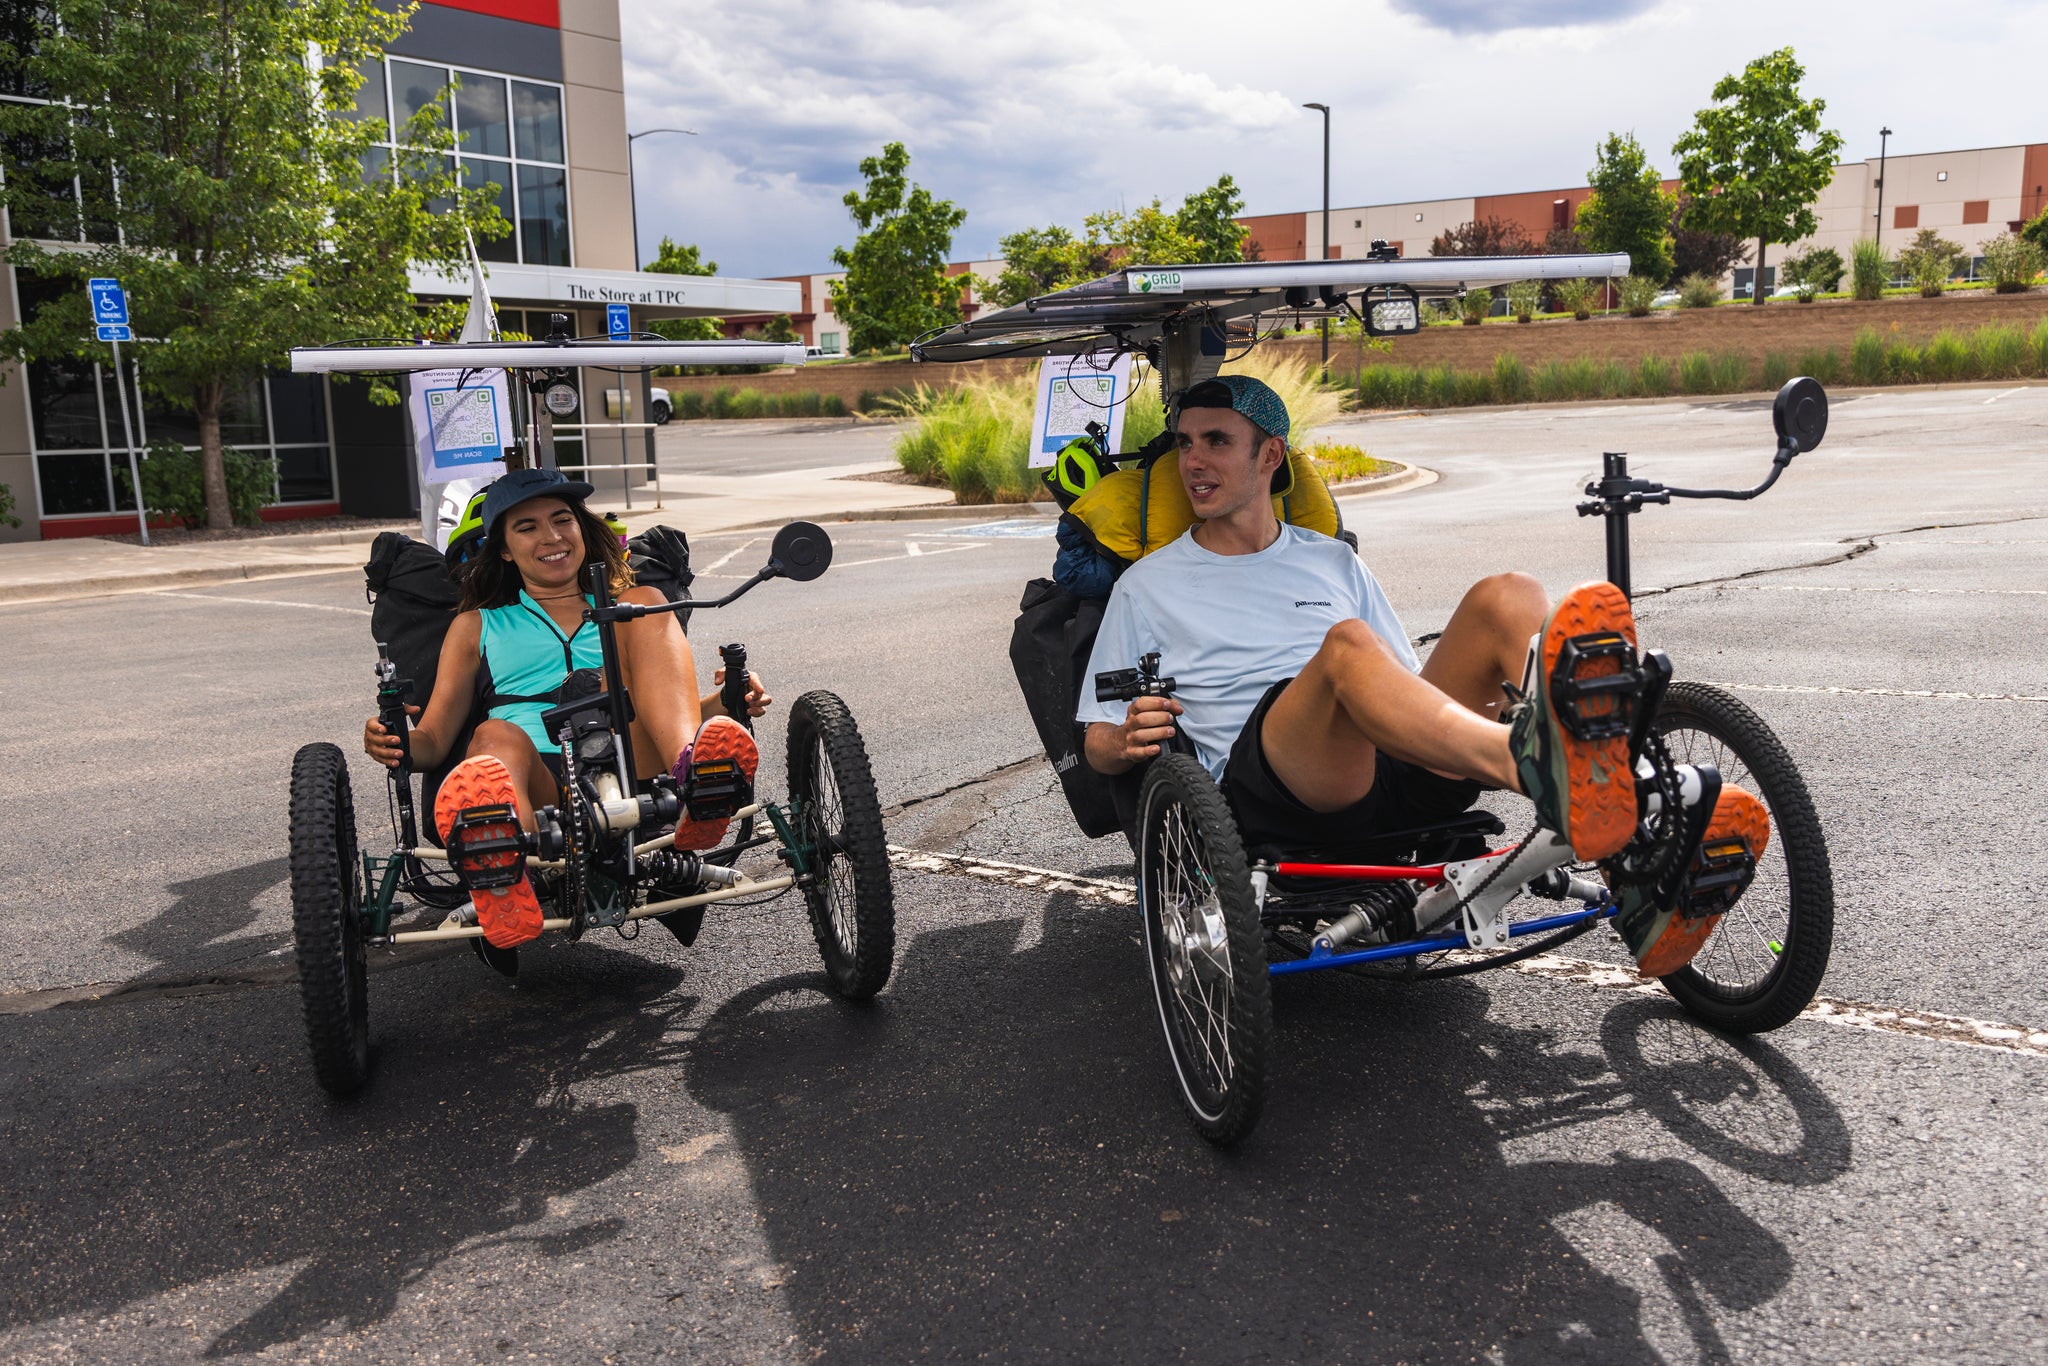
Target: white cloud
1042, 112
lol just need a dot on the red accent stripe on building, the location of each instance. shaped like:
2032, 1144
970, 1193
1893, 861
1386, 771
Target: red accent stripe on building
66, 528
546, 13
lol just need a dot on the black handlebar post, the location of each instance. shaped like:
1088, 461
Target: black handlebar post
734, 691
614, 676
392, 692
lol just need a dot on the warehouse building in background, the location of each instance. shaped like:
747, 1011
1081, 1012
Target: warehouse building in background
541, 115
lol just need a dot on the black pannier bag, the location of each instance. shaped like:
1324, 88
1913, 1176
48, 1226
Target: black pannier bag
1049, 649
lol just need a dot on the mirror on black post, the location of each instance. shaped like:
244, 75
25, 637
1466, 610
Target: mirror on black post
1391, 311
801, 552
1800, 415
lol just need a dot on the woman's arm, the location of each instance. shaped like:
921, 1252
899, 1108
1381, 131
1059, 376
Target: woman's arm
446, 710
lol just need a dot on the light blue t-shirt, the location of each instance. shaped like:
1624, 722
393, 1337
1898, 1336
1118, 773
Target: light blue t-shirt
1227, 627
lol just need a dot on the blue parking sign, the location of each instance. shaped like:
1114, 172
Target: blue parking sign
109, 304
618, 321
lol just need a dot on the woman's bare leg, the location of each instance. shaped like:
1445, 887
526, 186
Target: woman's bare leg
661, 678
531, 780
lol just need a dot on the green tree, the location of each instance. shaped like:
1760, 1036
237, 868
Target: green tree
1038, 261
1757, 159
1629, 210
1208, 217
2036, 230
225, 186
1695, 252
675, 259
1485, 237
896, 286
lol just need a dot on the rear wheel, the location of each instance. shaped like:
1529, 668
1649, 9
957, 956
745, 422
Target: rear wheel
848, 890
1765, 959
1204, 948
327, 920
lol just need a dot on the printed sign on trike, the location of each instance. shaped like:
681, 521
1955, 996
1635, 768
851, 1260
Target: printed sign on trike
1074, 391
1153, 281
462, 422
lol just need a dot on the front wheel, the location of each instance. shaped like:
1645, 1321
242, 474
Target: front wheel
1765, 959
1204, 948
327, 919
847, 890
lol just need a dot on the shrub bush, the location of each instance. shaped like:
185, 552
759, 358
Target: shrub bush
1338, 462
1510, 379
1653, 377
2012, 262
1776, 370
1824, 365
1930, 260
1638, 292
2037, 342
1818, 271
728, 402
1947, 358
1474, 307
1869, 271
1998, 352
7, 517
1523, 297
1866, 357
1696, 372
174, 490
1576, 297
1699, 291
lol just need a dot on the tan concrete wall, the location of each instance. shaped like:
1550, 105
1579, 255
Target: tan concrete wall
600, 188
17, 466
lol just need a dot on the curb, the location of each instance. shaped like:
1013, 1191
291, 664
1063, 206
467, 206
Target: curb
12, 594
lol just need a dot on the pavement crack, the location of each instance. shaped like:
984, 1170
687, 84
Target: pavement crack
1859, 546
993, 775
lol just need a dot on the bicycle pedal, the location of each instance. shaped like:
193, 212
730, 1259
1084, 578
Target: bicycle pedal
1595, 703
1719, 874
715, 789
478, 842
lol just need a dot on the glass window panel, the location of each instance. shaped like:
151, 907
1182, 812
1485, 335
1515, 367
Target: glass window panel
537, 109
64, 406
165, 421
21, 28
40, 168
413, 88
370, 95
478, 174
543, 216
376, 166
298, 408
241, 416
481, 122
72, 483
303, 475
418, 169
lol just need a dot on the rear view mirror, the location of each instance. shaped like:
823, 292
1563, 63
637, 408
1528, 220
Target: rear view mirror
1800, 415
1391, 311
802, 551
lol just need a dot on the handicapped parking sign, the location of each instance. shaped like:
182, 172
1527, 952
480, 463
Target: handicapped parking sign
617, 321
109, 304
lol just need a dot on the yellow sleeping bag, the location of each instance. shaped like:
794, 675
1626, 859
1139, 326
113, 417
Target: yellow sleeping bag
1129, 515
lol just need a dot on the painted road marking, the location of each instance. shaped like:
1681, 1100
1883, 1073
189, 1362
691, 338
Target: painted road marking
1883, 692
1832, 1010
259, 602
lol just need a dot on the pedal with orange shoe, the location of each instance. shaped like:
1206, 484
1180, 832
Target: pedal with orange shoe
477, 814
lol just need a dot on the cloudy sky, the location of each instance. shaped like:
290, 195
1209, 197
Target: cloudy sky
1040, 112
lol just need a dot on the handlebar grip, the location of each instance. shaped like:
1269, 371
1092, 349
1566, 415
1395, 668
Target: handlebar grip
733, 694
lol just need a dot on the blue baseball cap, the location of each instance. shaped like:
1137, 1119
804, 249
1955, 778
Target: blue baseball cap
510, 490
1251, 399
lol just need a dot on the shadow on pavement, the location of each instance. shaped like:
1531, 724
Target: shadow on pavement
991, 1159
207, 909
156, 1147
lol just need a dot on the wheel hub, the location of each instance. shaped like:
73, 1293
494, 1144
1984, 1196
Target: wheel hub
1194, 943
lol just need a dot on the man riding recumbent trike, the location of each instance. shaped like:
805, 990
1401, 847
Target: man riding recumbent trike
1298, 786
575, 778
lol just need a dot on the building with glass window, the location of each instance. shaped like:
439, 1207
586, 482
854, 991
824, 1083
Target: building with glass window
539, 112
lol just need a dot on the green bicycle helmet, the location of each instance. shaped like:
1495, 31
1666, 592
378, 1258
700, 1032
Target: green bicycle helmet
468, 532
1074, 470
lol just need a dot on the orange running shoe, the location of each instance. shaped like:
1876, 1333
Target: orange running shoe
1663, 941
1583, 788
716, 775
478, 800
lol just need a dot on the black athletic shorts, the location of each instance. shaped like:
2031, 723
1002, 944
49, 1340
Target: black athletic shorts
1403, 796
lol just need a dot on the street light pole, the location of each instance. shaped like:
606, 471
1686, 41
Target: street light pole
633, 181
1883, 137
1325, 110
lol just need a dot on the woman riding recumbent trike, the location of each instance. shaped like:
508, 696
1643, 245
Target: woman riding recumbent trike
571, 785
1715, 827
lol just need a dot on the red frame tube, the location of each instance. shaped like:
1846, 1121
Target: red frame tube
1429, 874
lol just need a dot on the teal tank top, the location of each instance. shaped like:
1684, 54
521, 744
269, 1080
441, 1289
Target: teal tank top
529, 656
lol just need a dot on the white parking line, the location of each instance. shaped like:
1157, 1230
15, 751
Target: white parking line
2007, 394
727, 558
1883, 692
1847, 588
258, 602
1832, 1010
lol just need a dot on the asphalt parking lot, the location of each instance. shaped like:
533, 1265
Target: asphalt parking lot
638, 1152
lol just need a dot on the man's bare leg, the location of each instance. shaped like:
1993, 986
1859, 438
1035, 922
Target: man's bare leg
1324, 734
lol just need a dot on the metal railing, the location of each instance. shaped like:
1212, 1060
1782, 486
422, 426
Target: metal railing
623, 464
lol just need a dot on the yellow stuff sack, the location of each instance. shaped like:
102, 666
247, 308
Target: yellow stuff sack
1129, 520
